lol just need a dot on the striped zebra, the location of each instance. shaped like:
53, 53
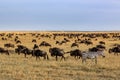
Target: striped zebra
92, 55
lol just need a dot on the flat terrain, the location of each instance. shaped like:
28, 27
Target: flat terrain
17, 67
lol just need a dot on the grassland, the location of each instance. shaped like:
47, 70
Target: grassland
17, 67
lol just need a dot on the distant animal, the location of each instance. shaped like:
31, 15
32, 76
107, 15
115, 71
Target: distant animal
65, 39
34, 40
87, 42
92, 55
57, 42
18, 41
74, 44
21, 46
61, 42
101, 47
45, 44
102, 42
57, 52
4, 38
35, 46
9, 45
97, 48
93, 49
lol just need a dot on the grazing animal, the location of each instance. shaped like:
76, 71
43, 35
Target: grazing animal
100, 47
66, 40
93, 49
35, 46
23, 49
57, 42
2, 50
34, 40
74, 44
44, 44
57, 52
19, 47
18, 41
60, 43
39, 53
75, 53
115, 50
9, 45
4, 38
92, 55
88, 42
102, 42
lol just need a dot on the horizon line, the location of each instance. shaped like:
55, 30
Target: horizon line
59, 31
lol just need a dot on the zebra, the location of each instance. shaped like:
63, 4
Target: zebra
92, 55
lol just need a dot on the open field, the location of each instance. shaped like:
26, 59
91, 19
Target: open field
17, 67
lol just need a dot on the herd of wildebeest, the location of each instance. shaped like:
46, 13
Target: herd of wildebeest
55, 51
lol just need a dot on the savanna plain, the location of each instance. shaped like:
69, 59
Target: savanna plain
17, 67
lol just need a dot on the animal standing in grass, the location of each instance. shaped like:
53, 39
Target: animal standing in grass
57, 52
92, 55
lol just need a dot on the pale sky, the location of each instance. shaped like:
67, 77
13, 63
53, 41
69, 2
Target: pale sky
73, 15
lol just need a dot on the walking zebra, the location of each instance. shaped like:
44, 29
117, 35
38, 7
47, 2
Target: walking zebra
92, 55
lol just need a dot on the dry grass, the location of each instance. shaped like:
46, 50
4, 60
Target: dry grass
16, 67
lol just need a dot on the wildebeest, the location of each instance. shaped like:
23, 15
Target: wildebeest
93, 49
102, 42
39, 53
88, 42
34, 40
18, 41
35, 46
92, 55
74, 44
97, 48
57, 52
60, 42
65, 39
57, 42
2, 50
23, 49
9, 45
76, 53
101, 47
115, 50
4, 38
45, 44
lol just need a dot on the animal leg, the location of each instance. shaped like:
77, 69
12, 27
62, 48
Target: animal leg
36, 57
117, 54
63, 58
25, 55
44, 56
47, 57
7, 53
56, 57
18, 53
95, 60
83, 60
